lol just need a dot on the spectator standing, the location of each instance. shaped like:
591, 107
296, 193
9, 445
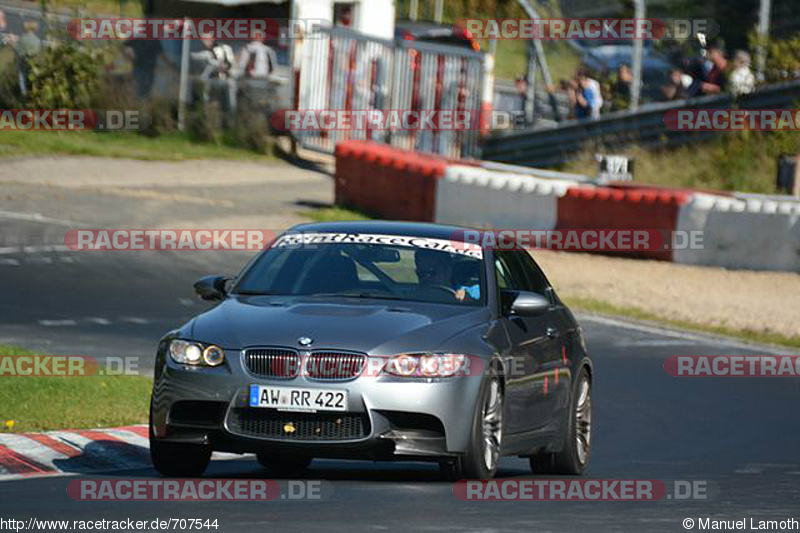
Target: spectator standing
589, 97
622, 87
218, 70
144, 54
27, 46
714, 76
676, 87
257, 60
741, 80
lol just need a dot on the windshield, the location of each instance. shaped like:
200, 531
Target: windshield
368, 266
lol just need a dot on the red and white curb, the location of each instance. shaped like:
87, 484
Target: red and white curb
60, 453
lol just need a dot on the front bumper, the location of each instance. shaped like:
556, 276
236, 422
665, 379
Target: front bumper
387, 417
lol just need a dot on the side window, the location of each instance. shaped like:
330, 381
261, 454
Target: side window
536, 280
509, 274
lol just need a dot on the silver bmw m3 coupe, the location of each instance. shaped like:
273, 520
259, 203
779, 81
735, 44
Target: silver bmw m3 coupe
378, 341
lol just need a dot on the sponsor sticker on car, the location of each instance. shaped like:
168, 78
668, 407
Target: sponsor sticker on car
297, 240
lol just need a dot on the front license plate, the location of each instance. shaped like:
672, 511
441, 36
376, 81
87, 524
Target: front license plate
296, 399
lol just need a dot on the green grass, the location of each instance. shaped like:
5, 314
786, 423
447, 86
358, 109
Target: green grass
39, 403
741, 161
511, 60
127, 8
334, 214
171, 147
605, 308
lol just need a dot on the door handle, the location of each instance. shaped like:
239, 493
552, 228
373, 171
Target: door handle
552, 332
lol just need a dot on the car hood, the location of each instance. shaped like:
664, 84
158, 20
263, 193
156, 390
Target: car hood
364, 325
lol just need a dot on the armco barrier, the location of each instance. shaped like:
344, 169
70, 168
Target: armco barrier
604, 208
385, 181
476, 197
752, 233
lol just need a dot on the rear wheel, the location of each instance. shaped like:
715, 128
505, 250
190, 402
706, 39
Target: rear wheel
178, 460
574, 457
284, 466
483, 455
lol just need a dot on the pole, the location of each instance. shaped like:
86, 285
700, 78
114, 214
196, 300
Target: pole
530, 89
763, 34
183, 94
547, 79
638, 48
439, 11
413, 7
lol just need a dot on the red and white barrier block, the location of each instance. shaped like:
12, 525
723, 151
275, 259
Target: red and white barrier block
733, 231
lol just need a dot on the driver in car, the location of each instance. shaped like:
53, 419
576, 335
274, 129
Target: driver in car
435, 269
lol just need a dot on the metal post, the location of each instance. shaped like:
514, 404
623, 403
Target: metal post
183, 94
763, 35
638, 48
413, 7
539, 50
530, 90
439, 11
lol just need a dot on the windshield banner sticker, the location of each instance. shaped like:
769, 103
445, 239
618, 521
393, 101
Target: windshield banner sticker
291, 240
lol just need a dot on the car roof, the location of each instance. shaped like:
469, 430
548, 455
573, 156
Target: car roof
411, 229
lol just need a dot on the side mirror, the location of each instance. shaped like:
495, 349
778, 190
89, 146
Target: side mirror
211, 287
529, 304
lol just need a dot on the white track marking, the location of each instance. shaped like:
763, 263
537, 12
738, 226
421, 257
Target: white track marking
37, 217
34, 249
134, 320
58, 323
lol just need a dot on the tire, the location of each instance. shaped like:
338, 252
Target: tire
574, 457
284, 466
483, 454
178, 460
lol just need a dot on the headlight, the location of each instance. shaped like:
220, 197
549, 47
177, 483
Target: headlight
192, 353
428, 365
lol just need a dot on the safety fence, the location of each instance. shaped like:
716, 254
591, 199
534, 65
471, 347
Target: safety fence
343, 70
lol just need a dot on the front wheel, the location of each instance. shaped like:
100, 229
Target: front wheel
172, 459
574, 457
483, 455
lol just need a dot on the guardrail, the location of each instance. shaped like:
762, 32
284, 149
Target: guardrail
645, 127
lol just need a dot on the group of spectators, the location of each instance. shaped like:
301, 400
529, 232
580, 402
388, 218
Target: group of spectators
714, 74
219, 66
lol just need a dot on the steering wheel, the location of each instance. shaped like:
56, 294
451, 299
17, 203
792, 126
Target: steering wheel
444, 288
